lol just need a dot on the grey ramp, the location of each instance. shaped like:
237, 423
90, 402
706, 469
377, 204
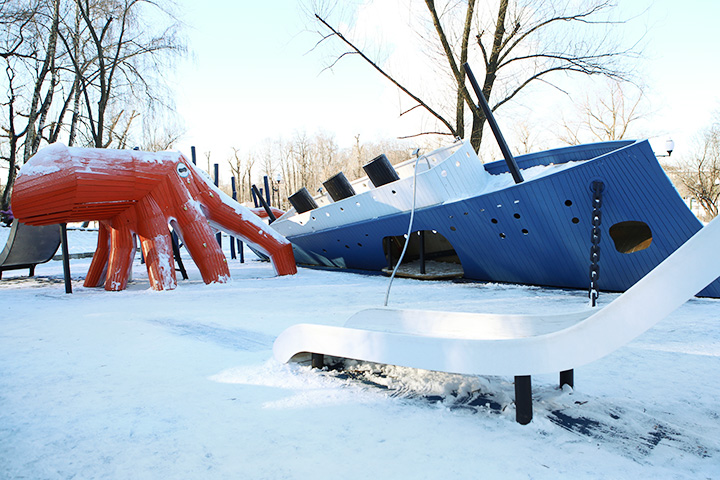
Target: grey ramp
28, 246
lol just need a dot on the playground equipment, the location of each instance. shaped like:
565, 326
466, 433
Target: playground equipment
133, 193
28, 246
517, 345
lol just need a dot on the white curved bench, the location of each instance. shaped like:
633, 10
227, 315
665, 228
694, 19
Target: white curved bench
518, 345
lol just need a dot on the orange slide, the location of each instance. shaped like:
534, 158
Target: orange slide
133, 193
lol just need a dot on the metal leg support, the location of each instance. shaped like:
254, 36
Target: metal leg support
65, 258
318, 360
523, 399
567, 377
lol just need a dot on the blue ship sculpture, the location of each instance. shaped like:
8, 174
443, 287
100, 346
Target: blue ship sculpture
597, 216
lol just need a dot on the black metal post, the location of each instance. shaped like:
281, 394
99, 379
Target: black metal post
65, 257
234, 197
567, 377
264, 204
509, 159
267, 189
192, 155
389, 242
176, 254
216, 180
523, 399
254, 196
422, 252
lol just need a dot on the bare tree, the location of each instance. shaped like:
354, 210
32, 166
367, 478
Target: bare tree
123, 54
27, 46
700, 173
96, 59
523, 43
610, 116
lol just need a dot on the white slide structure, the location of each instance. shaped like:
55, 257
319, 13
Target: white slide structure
518, 345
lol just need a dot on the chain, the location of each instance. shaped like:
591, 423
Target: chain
595, 241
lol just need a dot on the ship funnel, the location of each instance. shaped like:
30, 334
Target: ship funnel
380, 171
302, 201
338, 187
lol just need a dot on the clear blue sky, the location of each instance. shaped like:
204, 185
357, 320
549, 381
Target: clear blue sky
253, 76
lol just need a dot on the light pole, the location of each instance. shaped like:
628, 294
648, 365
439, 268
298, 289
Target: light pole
669, 147
276, 188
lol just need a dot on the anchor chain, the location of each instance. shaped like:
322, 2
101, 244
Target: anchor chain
598, 187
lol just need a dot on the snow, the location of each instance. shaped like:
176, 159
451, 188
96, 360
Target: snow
182, 384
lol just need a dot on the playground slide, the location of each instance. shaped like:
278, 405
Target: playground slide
133, 193
480, 344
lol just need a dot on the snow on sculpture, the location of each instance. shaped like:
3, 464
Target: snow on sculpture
133, 193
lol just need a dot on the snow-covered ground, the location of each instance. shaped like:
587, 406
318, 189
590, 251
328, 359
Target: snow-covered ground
182, 384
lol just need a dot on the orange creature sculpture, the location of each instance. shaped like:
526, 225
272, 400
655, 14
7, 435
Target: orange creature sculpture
135, 193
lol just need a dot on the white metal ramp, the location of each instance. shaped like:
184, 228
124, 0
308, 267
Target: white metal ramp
518, 345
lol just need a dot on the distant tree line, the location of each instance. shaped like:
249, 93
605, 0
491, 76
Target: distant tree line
307, 161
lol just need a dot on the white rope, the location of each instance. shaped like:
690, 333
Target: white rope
407, 240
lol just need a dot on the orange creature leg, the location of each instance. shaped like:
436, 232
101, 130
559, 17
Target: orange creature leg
122, 252
98, 267
201, 243
156, 244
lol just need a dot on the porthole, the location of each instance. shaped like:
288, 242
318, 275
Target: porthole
631, 237
502, 235
517, 215
576, 220
568, 203
494, 220
525, 231
453, 229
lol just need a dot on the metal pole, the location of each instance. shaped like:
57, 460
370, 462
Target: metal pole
422, 252
65, 257
216, 171
264, 204
509, 159
267, 190
192, 155
234, 197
